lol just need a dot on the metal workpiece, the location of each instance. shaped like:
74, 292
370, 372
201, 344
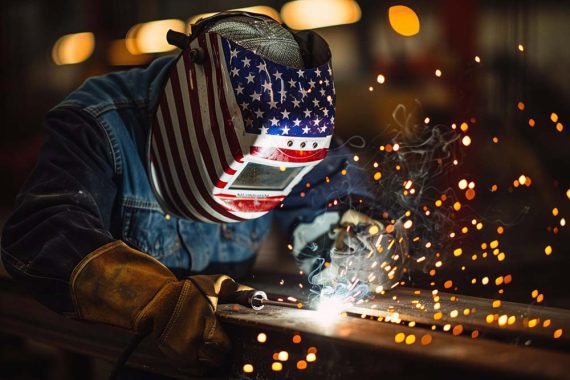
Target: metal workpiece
360, 347
316, 344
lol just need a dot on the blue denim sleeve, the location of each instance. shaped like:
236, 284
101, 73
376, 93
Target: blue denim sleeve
333, 186
63, 210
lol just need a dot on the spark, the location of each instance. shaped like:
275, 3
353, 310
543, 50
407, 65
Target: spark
457, 330
370, 88
426, 339
380, 79
503, 320
399, 337
438, 73
521, 47
477, 59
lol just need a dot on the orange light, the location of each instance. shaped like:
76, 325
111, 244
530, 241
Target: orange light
73, 48
150, 37
311, 14
554, 117
261, 9
301, 365
404, 20
531, 122
520, 106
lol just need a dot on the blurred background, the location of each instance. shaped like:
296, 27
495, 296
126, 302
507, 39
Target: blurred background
498, 71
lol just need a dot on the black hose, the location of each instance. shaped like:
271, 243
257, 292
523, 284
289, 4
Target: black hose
125, 355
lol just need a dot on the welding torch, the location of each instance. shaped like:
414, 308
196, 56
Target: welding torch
257, 300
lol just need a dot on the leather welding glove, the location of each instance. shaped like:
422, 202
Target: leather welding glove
123, 287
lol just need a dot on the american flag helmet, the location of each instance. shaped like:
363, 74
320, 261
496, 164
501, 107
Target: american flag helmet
234, 132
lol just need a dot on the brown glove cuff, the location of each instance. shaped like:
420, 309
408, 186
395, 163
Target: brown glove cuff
115, 282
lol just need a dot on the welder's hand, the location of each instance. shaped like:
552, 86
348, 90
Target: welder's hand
123, 287
366, 251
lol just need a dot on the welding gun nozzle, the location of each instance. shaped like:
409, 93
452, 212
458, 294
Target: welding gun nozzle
256, 298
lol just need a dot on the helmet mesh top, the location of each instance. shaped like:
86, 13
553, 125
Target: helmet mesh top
263, 36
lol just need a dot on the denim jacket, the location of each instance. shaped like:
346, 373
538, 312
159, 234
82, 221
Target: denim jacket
90, 187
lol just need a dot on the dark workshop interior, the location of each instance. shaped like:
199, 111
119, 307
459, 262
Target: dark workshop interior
458, 114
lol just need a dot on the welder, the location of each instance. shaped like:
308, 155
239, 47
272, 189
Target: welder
153, 181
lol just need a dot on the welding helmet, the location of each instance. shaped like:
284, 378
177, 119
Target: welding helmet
246, 111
